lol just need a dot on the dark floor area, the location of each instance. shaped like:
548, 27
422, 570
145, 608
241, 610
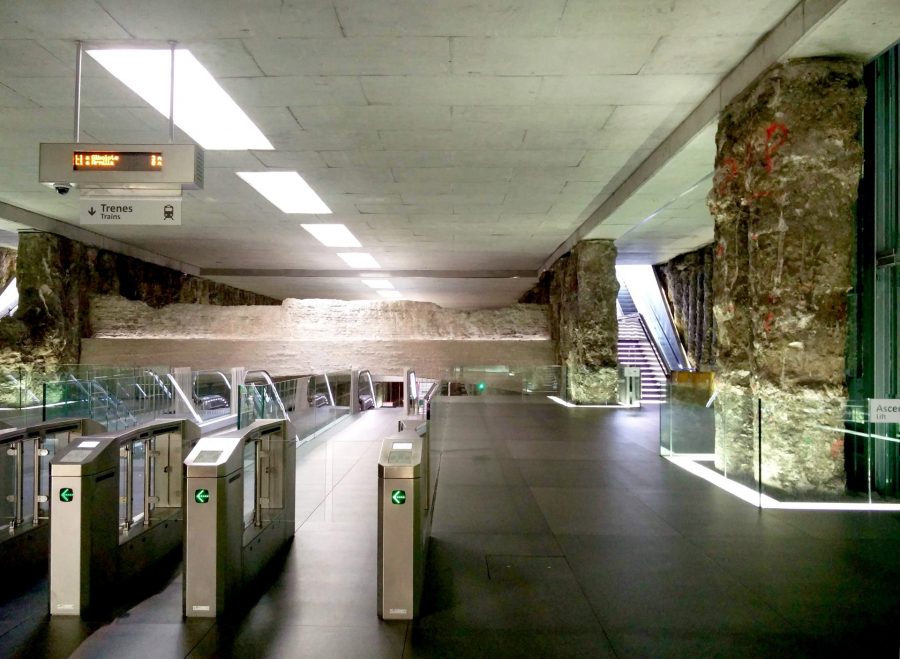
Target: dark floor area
557, 532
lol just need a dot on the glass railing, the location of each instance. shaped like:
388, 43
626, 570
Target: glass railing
211, 393
311, 403
503, 381
803, 449
117, 400
21, 397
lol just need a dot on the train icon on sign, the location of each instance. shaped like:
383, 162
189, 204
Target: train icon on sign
169, 212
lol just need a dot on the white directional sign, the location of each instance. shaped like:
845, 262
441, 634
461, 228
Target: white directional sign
130, 210
884, 410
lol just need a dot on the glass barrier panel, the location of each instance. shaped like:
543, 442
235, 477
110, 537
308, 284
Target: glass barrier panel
249, 482
28, 484
211, 393
8, 483
138, 463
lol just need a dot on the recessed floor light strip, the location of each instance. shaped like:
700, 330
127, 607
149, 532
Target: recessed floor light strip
203, 109
765, 501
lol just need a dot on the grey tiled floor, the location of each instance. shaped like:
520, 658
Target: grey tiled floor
557, 533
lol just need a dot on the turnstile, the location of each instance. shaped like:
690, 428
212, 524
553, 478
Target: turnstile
403, 524
239, 512
116, 509
25, 455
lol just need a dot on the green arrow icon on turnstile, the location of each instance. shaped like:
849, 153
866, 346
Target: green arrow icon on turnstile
398, 496
66, 494
201, 496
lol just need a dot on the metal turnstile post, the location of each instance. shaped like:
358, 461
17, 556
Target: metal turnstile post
401, 526
239, 513
213, 525
84, 509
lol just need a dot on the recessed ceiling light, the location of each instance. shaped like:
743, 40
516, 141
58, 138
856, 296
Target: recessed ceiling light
377, 283
375, 274
394, 295
332, 235
288, 191
203, 109
359, 259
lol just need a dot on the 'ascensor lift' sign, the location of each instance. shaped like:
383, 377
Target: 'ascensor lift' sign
884, 410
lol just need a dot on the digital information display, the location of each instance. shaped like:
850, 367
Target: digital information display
117, 161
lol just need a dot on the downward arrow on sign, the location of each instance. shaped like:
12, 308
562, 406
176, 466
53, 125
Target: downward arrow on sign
92, 212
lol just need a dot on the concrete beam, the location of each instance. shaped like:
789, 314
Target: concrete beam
771, 48
40, 222
394, 274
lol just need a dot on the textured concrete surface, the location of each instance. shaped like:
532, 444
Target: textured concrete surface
56, 277
688, 284
583, 288
788, 164
308, 336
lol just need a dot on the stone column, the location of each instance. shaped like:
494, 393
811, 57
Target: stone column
788, 164
583, 319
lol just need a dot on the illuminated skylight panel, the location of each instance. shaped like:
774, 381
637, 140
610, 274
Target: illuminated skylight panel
203, 109
378, 283
391, 295
288, 192
332, 235
359, 259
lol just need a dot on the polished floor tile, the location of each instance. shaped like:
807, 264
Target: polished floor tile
556, 532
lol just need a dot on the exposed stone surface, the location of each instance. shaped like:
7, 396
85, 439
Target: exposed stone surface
581, 288
317, 320
7, 265
56, 277
307, 336
788, 164
688, 283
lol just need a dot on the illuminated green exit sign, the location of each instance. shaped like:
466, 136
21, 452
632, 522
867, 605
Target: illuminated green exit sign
201, 495
66, 494
398, 497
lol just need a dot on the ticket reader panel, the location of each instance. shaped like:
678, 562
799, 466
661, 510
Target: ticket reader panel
213, 525
83, 530
401, 526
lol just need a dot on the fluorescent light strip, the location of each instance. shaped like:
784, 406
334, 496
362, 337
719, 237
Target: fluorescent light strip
377, 283
394, 295
359, 259
332, 235
288, 192
203, 109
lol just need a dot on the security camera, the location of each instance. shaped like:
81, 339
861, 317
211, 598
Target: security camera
62, 188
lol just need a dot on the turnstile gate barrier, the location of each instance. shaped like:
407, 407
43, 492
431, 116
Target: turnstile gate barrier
115, 508
239, 512
402, 524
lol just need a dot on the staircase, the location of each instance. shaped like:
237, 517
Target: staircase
636, 349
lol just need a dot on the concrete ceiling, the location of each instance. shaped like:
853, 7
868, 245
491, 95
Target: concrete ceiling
462, 143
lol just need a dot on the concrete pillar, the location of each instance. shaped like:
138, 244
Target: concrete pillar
788, 164
583, 320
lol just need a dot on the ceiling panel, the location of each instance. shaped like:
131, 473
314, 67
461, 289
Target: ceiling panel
446, 135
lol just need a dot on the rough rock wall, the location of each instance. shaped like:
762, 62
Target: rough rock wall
788, 164
56, 277
7, 265
307, 336
688, 283
583, 323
